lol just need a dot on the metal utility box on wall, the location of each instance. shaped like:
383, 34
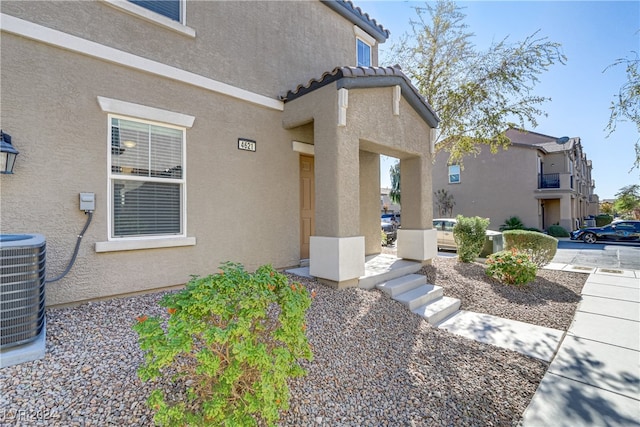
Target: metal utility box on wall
87, 201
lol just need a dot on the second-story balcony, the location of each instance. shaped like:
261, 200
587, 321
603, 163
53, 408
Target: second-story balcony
549, 180
563, 181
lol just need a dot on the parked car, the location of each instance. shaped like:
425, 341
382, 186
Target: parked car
623, 231
444, 227
394, 217
389, 228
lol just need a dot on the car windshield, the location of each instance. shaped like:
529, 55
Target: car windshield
386, 219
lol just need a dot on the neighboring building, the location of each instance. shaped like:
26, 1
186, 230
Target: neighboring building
537, 179
208, 131
386, 205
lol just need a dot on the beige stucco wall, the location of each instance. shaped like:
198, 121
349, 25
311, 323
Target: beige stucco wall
241, 206
267, 47
551, 212
405, 136
495, 186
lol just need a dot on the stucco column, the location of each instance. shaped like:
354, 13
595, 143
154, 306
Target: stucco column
417, 239
337, 249
370, 201
566, 213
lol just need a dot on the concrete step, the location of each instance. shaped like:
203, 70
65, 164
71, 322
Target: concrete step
437, 310
382, 268
419, 296
402, 284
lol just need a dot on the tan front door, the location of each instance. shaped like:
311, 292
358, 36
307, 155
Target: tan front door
307, 204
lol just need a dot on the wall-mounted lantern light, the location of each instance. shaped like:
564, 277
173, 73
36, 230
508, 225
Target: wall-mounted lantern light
8, 154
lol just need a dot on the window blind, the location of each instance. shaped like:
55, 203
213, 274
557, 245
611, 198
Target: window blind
168, 8
147, 185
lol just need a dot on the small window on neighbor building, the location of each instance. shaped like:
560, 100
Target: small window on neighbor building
168, 8
364, 53
454, 174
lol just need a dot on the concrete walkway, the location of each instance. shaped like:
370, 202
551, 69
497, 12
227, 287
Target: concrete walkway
532, 340
594, 379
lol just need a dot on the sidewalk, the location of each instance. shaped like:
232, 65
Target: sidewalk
594, 379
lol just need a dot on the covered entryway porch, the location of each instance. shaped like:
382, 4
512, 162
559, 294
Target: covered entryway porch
347, 119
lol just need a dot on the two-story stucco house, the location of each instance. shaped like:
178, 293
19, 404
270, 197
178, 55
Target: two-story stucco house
206, 131
541, 179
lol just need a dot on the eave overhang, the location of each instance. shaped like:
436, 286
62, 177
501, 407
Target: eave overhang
370, 77
354, 14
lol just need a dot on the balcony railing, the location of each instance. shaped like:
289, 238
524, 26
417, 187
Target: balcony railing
549, 180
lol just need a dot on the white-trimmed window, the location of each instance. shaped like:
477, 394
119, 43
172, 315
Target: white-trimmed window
363, 53
454, 174
170, 14
147, 180
146, 194
169, 8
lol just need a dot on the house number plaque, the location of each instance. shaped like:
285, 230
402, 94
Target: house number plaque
246, 144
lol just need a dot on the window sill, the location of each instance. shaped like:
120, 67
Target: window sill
152, 17
132, 245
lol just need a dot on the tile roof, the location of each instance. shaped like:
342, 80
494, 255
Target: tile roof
546, 143
354, 14
369, 77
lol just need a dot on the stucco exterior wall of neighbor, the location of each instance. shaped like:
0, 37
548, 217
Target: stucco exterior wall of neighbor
495, 186
241, 206
267, 47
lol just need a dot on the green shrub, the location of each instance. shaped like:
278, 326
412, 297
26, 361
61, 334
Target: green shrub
557, 231
511, 267
469, 234
540, 248
512, 223
537, 230
603, 219
231, 342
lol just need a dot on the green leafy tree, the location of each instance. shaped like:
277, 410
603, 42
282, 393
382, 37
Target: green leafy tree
606, 208
394, 173
477, 94
628, 201
626, 105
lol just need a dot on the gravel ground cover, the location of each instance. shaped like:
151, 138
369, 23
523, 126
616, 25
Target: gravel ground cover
551, 300
375, 363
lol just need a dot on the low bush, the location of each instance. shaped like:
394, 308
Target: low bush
540, 248
511, 267
603, 219
512, 223
469, 234
557, 231
231, 342
537, 230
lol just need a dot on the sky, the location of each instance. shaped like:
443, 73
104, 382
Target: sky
593, 35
